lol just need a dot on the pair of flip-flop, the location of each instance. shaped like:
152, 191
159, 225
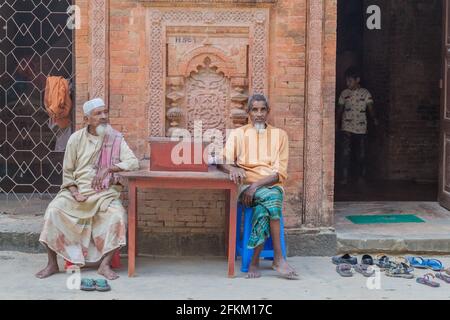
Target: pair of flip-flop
94, 285
346, 270
427, 279
421, 263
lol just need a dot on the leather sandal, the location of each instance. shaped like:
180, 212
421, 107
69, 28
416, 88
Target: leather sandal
426, 280
365, 269
344, 269
345, 259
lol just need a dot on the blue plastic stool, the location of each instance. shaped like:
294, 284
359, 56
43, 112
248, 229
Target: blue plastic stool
242, 241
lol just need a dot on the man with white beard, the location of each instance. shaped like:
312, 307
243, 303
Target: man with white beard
86, 222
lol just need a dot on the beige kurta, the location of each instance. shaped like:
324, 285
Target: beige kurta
85, 232
259, 154
82, 152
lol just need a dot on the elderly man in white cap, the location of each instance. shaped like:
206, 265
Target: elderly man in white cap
86, 222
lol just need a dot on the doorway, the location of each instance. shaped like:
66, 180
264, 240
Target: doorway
400, 65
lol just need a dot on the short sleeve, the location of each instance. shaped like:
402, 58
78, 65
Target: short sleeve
369, 99
341, 101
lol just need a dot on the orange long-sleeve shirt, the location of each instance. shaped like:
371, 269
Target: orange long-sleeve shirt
259, 154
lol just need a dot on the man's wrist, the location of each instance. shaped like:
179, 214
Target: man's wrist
254, 186
113, 169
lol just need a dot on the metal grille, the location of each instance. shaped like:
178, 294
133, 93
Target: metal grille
34, 44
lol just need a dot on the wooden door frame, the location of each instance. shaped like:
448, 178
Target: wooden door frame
443, 198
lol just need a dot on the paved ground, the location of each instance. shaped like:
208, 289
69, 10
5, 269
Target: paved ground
205, 278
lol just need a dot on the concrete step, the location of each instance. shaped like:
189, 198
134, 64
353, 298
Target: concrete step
20, 232
431, 237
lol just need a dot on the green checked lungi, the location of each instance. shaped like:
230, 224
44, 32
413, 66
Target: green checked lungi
267, 206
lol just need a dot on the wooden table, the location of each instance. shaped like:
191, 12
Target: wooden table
213, 179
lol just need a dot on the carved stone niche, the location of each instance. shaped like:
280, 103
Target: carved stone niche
203, 66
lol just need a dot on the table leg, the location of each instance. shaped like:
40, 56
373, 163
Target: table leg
132, 222
227, 220
232, 232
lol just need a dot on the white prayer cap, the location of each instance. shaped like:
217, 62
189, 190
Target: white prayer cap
91, 105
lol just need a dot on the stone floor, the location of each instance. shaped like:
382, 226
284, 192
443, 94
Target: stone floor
205, 278
433, 236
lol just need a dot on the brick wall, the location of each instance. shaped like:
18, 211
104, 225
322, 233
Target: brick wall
287, 86
402, 69
193, 222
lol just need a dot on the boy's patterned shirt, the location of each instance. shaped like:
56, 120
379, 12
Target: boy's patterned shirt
355, 102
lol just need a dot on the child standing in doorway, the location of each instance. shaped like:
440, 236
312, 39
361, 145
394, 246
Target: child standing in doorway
354, 105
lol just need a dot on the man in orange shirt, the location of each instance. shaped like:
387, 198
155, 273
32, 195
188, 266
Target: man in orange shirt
256, 157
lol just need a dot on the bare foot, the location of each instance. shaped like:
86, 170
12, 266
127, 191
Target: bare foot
107, 272
49, 270
285, 270
253, 272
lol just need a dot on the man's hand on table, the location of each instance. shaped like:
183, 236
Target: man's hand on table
237, 175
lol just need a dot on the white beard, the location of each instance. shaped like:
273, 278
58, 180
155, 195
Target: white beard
103, 130
260, 127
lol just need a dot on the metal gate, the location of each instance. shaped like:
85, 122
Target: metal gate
34, 44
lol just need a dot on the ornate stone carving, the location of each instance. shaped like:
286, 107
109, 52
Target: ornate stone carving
187, 53
174, 113
216, 57
211, 1
99, 22
206, 101
313, 190
156, 85
238, 113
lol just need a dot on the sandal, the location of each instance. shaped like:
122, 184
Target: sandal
345, 259
417, 262
447, 271
87, 284
102, 285
427, 281
434, 264
443, 277
367, 259
401, 270
365, 269
344, 269
383, 262
405, 263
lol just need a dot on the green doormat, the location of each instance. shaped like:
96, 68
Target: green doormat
388, 218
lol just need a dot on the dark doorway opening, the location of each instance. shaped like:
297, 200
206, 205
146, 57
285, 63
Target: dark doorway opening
401, 67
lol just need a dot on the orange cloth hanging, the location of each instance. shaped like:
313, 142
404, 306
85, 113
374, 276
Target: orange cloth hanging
57, 101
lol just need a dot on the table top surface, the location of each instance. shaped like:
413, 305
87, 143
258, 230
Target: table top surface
212, 174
